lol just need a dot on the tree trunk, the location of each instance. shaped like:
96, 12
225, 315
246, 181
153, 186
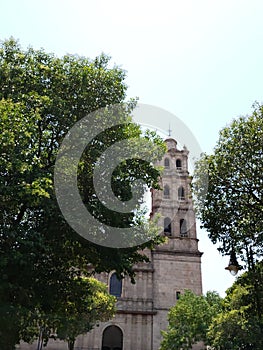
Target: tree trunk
71, 343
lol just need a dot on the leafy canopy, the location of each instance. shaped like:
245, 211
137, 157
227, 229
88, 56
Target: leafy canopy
240, 325
230, 205
87, 303
189, 320
41, 98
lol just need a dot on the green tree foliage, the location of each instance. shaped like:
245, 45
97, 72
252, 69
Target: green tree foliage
239, 324
232, 323
41, 98
228, 186
87, 303
189, 320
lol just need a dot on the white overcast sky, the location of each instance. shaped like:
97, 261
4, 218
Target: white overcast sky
201, 60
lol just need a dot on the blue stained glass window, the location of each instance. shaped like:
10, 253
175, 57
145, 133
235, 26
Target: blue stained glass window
115, 285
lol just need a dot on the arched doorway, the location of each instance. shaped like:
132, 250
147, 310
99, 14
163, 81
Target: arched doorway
112, 338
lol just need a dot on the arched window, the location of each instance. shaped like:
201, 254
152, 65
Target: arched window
166, 191
167, 226
112, 338
183, 228
167, 162
178, 164
115, 285
181, 193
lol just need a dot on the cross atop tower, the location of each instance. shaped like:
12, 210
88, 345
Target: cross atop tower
169, 130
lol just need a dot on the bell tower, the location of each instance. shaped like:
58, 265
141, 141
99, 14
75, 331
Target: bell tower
177, 263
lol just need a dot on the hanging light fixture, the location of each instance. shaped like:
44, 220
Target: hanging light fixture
233, 266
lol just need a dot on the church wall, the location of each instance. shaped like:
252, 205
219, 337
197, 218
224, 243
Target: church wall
136, 328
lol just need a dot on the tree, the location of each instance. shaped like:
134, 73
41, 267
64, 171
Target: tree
87, 303
189, 320
228, 186
238, 325
41, 98
232, 323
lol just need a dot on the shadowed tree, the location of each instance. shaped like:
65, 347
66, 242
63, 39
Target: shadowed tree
41, 98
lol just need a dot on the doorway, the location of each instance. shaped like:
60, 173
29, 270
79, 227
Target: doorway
112, 338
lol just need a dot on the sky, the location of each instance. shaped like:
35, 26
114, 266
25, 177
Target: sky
201, 60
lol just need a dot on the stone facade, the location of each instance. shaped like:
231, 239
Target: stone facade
173, 267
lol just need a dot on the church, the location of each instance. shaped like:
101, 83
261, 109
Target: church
174, 266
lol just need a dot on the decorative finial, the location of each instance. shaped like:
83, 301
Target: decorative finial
169, 130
